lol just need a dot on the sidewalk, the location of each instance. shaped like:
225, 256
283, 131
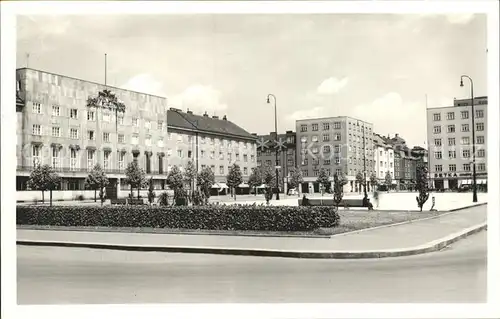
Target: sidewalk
412, 236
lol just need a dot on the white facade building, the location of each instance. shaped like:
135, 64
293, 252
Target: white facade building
383, 158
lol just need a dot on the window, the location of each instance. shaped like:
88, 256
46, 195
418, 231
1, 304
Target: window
90, 116
245, 171
466, 153
315, 150
56, 131
106, 117
303, 128
481, 153
179, 153
315, 127
268, 162
245, 158
147, 124
56, 110
326, 138
438, 155
90, 135
148, 140
464, 115
338, 136
120, 119
179, 137
451, 141
465, 127
452, 167
326, 149
451, 128
135, 139
437, 142
121, 138
36, 154
160, 142
229, 157
135, 122
105, 137
212, 154
326, 126
90, 159
481, 167
73, 164
480, 139
479, 126
73, 113
107, 156
479, 113
221, 170
73, 133
437, 129
252, 158
202, 154
452, 154
438, 168
465, 140
37, 108
437, 116
450, 115
337, 160
55, 157
466, 167
190, 153
121, 160
315, 138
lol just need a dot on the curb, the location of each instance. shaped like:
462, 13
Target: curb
427, 248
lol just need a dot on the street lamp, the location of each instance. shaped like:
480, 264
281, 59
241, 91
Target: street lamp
277, 148
364, 161
474, 182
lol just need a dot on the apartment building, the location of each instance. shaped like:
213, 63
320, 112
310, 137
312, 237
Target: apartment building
449, 131
383, 158
338, 144
287, 156
210, 141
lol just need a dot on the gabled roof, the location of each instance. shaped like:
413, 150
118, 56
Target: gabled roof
182, 120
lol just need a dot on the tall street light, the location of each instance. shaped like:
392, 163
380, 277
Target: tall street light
364, 161
277, 148
474, 182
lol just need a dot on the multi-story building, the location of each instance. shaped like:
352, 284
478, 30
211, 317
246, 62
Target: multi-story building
56, 127
338, 144
216, 142
287, 155
383, 158
449, 131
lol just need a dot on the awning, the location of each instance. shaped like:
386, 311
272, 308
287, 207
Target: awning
74, 147
148, 153
36, 143
161, 154
136, 151
243, 185
123, 150
219, 185
106, 149
55, 145
91, 148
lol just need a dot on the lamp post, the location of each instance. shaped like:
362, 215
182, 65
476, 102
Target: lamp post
474, 182
364, 161
277, 148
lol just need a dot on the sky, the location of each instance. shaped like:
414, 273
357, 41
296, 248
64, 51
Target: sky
375, 67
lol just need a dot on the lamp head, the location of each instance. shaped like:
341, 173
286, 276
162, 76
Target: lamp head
268, 101
461, 82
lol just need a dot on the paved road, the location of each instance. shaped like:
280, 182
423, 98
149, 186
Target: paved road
64, 275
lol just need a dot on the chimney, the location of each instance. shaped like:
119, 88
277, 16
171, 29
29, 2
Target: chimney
215, 117
205, 114
224, 118
175, 110
397, 135
189, 112
254, 134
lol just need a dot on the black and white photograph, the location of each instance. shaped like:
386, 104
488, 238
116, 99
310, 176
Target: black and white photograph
255, 157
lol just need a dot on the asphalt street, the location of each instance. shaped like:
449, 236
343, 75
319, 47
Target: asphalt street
80, 276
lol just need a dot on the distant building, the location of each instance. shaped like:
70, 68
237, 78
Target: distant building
384, 158
449, 131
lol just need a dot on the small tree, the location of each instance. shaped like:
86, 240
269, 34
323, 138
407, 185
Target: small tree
323, 180
422, 185
205, 180
97, 180
270, 180
388, 180
44, 178
175, 181
373, 181
234, 178
135, 177
338, 188
255, 178
296, 178
190, 175
151, 191
360, 179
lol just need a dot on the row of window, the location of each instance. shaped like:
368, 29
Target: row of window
465, 140
463, 115
465, 154
326, 126
465, 167
464, 128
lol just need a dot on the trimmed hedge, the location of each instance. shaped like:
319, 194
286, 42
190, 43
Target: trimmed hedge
268, 218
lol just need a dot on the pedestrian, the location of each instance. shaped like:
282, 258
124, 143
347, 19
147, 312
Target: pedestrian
375, 197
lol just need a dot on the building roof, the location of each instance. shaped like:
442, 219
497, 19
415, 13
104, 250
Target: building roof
183, 120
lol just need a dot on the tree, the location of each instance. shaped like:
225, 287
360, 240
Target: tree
360, 180
97, 180
151, 191
388, 180
373, 181
422, 185
175, 181
339, 180
190, 175
323, 180
205, 180
234, 177
295, 178
44, 178
135, 177
255, 178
